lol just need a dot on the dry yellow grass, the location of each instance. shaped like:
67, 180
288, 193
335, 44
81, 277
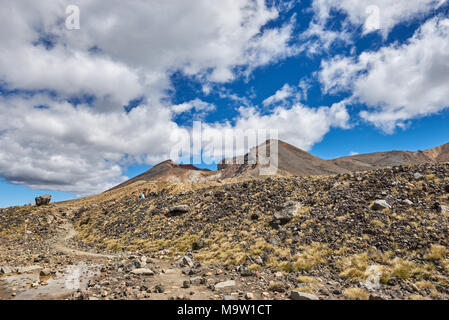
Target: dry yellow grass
311, 257
356, 294
437, 252
306, 279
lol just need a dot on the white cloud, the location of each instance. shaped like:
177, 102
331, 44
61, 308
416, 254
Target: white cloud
299, 125
361, 15
281, 95
196, 104
398, 82
366, 12
77, 149
138, 46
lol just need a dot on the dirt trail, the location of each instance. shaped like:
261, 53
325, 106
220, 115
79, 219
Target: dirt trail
62, 244
81, 266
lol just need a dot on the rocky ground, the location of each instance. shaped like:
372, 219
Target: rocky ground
371, 235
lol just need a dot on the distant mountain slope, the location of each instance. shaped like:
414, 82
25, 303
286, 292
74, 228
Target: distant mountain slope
172, 172
378, 160
438, 154
291, 161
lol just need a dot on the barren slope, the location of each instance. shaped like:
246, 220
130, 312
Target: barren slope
170, 171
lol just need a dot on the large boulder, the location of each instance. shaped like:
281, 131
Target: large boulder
43, 200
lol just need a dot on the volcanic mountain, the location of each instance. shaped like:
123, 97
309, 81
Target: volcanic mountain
378, 160
170, 171
291, 161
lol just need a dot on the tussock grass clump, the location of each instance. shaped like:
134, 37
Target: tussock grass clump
254, 267
377, 223
356, 294
276, 286
437, 252
306, 279
285, 266
445, 264
404, 269
311, 257
354, 267
425, 285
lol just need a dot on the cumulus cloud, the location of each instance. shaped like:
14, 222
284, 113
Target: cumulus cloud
281, 95
398, 82
298, 124
198, 105
123, 52
77, 149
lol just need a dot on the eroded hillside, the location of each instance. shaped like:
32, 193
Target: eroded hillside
380, 234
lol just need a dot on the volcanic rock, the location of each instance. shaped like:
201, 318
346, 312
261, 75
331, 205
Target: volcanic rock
43, 200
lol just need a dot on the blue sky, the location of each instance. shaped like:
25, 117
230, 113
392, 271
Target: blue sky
83, 109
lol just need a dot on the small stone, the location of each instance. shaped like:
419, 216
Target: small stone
244, 271
254, 216
159, 288
29, 269
440, 208
229, 298
186, 261
196, 280
380, 205
225, 284
418, 176
279, 274
178, 210
186, 284
143, 272
298, 295
249, 296
5, 270
45, 272
197, 245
